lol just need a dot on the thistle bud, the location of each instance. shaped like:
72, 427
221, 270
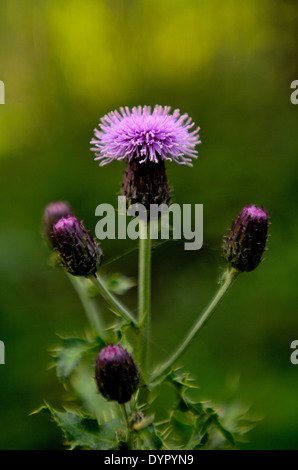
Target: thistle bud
117, 376
79, 252
52, 213
246, 241
145, 183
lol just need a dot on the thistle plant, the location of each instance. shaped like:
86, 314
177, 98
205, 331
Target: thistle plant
109, 368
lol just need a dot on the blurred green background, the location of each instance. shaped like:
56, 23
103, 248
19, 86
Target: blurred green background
229, 65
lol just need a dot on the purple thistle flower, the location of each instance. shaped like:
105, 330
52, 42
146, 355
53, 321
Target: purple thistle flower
145, 136
245, 244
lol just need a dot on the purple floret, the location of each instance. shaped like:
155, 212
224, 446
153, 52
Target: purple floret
146, 136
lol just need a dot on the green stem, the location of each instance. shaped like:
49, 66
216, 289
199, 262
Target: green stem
144, 294
89, 305
125, 414
114, 303
128, 428
229, 277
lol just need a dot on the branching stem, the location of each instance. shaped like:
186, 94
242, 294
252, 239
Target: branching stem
229, 278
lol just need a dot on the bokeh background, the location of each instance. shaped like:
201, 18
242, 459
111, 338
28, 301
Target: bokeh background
229, 65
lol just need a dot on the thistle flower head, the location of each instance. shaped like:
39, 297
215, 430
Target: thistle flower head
146, 136
79, 252
246, 241
52, 213
116, 374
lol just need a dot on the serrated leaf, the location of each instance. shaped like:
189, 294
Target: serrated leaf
84, 432
182, 380
237, 419
212, 419
69, 355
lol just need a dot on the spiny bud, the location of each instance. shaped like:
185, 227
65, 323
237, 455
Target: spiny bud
117, 376
246, 241
79, 252
52, 213
145, 183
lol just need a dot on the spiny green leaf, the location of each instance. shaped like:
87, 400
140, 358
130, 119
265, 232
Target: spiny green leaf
211, 419
68, 356
84, 432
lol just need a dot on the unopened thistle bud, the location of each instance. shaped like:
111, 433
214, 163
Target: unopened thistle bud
79, 252
52, 213
116, 374
246, 241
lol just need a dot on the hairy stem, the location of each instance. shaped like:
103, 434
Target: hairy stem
229, 278
89, 305
115, 304
144, 294
123, 407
